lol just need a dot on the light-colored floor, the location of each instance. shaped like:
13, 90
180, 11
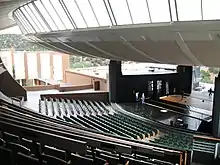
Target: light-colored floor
34, 96
202, 95
196, 99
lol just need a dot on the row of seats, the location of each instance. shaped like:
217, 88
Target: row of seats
30, 138
16, 150
102, 117
206, 151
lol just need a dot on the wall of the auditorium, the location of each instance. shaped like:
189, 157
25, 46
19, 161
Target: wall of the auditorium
35, 65
76, 79
9, 87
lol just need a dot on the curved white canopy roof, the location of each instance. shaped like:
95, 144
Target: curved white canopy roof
53, 15
6, 7
162, 31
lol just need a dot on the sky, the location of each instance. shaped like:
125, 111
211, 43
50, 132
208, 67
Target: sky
93, 13
11, 30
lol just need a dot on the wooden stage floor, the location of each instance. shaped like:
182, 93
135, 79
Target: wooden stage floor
196, 99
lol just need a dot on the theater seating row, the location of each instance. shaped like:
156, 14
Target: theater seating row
30, 138
103, 117
20, 151
206, 151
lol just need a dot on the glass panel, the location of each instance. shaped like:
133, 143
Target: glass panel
45, 15
121, 13
30, 20
32, 65
87, 13
189, 10
101, 12
57, 67
139, 11
62, 14
19, 65
53, 14
24, 29
75, 14
173, 10
111, 17
159, 10
211, 9
25, 22
36, 23
38, 17
45, 65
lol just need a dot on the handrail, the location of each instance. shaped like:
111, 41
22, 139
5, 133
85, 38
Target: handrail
19, 99
206, 138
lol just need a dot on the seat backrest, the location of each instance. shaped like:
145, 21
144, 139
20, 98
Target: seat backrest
203, 157
110, 159
99, 161
25, 142
2, 142
1, 134
18, 148
8, 137
78, 160
33, 146
217, 153
23, 159
140, 162
54, 152
6, 156
51, 160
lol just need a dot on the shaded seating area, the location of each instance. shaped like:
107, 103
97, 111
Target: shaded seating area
31, 138
102, 117
74, 131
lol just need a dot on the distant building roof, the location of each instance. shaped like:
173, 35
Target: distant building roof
127, 69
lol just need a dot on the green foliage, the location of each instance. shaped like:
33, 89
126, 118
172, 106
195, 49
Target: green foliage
81, 65
85, 62
206, 77
8, 41
214, 70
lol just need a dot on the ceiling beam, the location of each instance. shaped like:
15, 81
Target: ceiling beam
185, 49
138, 51
77, 50
110, 55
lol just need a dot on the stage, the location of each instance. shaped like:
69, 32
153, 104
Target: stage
196, 99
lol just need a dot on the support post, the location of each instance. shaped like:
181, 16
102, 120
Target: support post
184, 80
216, 109
155, 89
114, 80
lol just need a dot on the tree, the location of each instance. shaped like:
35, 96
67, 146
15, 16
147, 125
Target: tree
85, 62
206, 77
18, 43
214, 70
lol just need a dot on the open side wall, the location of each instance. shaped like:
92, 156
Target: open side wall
9, 86
123, 87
